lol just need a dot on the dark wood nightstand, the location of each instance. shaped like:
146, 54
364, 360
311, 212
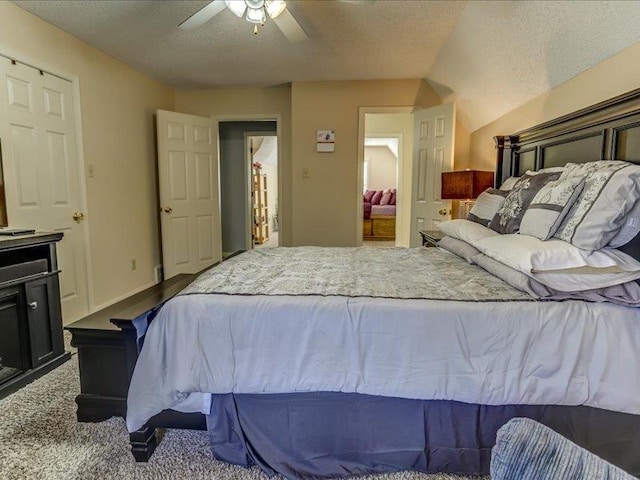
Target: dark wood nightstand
430, 238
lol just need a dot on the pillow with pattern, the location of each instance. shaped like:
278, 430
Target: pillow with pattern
610, 191
507, 219
486, 206
549, 207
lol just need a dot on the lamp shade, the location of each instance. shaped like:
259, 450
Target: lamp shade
465, 184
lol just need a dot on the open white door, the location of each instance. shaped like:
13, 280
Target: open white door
42, 175
433, 144
189, 202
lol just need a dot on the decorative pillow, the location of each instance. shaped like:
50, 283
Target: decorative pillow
375, 200
393, 197
549, 207
368, 195
509, 183
486, 206
629, 230
460, 248
509, 216
386, 197
610, 191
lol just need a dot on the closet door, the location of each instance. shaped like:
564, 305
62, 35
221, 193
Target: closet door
41, 175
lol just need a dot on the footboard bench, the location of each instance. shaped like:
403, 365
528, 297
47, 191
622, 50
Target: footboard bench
108, 346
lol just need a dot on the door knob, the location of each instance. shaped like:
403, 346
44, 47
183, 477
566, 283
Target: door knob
78, 216
167, 209
33, 305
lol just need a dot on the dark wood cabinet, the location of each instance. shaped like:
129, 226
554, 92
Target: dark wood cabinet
31, 339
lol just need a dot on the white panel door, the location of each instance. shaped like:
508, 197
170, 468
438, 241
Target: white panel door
40, 162
433, 144
189, 203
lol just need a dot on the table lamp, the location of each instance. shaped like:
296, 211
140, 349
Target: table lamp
465, 186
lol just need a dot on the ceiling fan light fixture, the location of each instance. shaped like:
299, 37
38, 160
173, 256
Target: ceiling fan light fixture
236, 6
275, 7
256, 15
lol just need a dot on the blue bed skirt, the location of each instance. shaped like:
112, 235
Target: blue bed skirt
320, 435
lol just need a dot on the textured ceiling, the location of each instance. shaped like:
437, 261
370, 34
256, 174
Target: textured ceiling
488, 56
502, 54
347, 41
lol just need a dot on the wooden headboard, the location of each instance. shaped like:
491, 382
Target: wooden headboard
609, 130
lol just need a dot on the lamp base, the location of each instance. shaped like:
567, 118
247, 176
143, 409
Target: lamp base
464, 206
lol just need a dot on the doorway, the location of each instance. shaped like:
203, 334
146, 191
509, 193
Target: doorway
387, 138
428, 145
382, 158
236, 181
263, 159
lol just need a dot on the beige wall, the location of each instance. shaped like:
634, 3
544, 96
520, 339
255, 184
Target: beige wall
615, 76
235, 102
383, 166
461, 154
117, 105
402, 123
326, 205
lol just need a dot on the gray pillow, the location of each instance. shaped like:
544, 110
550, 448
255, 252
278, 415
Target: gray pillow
626, 294
549, 207
487, 205
610, 191
509, 216
459, 247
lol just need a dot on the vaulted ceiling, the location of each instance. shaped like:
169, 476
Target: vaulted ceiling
488, 56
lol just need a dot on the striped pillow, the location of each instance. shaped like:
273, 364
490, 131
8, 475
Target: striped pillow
549, 207
487, 205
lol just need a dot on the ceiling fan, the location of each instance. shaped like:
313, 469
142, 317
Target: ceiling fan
256, 12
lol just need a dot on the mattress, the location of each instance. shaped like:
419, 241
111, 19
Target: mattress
491, 350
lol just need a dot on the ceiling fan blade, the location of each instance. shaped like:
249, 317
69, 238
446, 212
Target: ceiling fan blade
203, 15
290, 27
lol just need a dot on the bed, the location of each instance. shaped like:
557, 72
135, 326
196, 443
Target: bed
320, 365
379, 214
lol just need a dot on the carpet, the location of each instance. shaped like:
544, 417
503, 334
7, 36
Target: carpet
40, 439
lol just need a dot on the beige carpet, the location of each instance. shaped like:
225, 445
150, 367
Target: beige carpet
40, 439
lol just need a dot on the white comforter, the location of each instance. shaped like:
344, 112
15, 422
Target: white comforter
563, 353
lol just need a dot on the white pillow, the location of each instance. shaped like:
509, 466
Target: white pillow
531, 255
465, 230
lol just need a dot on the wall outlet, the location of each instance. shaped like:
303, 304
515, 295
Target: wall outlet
133, 264
157, 273
91, 172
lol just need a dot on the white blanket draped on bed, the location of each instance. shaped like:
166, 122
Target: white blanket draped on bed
489, 352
